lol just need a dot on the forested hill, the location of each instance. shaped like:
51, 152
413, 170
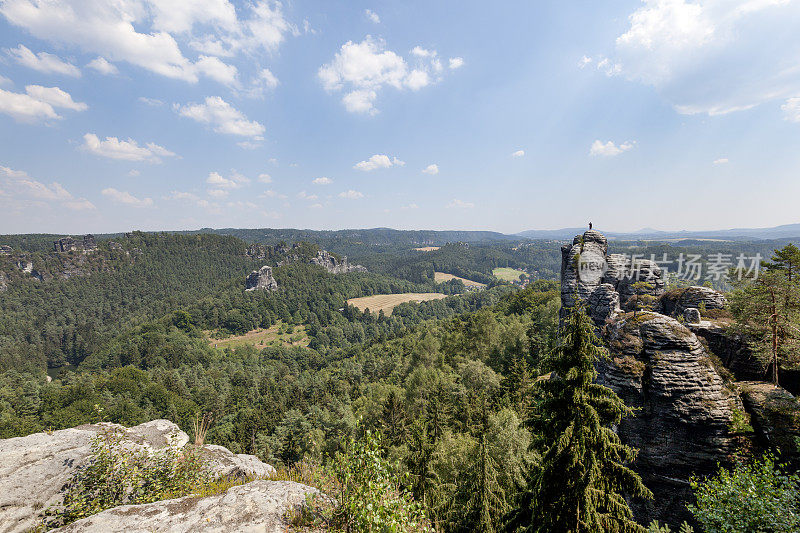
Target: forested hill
58, 321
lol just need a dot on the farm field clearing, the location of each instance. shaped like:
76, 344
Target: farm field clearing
427, 248
387, 302
440, 277
507, 274
276, 335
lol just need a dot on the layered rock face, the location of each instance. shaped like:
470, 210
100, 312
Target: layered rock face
659, 367
34, 469
261, 280
676, 301
257, 507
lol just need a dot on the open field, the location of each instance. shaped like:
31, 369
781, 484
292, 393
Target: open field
387, 302
427, 249
507, 274
277, 335
440, 277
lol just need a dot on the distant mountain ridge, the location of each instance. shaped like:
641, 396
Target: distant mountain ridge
736, 234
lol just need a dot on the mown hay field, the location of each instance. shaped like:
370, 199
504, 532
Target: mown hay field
387, 302
440, 277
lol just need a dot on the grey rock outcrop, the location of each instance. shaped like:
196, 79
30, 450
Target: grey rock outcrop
328, 261
3, 282
89, 243
657, 366
692, 315
5, 249
674, 302
65, 244
774, 415
256, 507
35, 468
261, 280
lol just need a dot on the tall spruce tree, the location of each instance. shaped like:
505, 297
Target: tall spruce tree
581, 483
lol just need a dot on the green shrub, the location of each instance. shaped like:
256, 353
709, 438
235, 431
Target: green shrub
370, 496
756, 497
121, 474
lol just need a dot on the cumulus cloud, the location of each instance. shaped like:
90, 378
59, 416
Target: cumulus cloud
686, 49
222, 117
721, 161
129, 150
362, 69
217, 193
378, 161
38, 103
102, 66
303, 195
126, 198
152, 102
792, 109
351, 195
518, 153
456, 62
43, 62
322, 181
459, 204
265, 178
146, 33
609, 149
431, 169
23, 189
372, 16
235, 181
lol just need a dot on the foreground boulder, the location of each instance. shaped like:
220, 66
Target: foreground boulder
34, 469
256, 507
676, 301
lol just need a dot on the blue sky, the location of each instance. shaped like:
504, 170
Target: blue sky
178, 114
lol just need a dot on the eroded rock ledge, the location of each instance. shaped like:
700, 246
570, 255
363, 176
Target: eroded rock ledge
34, 470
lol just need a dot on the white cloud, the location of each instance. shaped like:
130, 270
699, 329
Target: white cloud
322, 181
362, 69
102, 66
265, 178
378, 161
224, 118
303, 195
459, 204
37, 104
518, 153
351, 195
133, 173
432, 169
43, 62
456, 62
217, 193
585, 60
792, 109
126, 198
235, 181
315, 206
709, 56
179, 195
721, 161
269, 193
609, 149
146, 33
372, 16
410, 206
55, 97
129, 150
249, 145
217, 70
152, 102
22, 189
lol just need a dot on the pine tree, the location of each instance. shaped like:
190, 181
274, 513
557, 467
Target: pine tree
487, 500
579, 485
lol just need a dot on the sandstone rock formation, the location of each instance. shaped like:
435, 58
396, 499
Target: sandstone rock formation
659, 367
89, 243
261, 280
34, 469
65, 244
328, 261
674, 302
3, 282
256, 507
775, 415
5, 249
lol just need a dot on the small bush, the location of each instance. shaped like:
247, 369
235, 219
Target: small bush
120, 474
